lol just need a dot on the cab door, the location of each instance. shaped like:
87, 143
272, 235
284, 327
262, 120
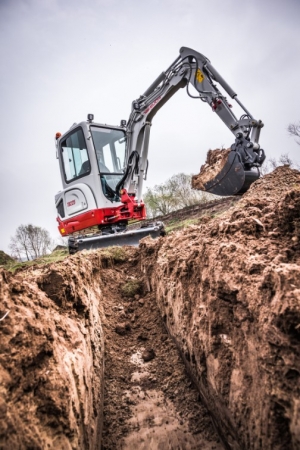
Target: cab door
76, 171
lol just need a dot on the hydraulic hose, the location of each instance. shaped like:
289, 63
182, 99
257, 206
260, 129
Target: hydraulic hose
121, 182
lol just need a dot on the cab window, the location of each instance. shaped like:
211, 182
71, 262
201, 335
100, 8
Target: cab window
75, 156
110, 146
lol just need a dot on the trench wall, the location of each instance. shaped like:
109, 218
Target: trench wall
229, 292
51, 357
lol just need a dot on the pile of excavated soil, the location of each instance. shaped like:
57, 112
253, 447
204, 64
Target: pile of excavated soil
229, 290
215, 161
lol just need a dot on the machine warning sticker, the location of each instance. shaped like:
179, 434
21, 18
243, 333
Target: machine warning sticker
199, 76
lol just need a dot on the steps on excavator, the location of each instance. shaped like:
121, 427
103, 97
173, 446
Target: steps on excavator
128, 237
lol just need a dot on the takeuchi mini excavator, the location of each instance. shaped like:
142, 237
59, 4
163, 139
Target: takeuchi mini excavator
103, 167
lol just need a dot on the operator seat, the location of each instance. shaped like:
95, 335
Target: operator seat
85, 168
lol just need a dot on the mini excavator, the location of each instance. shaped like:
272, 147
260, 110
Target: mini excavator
103, 167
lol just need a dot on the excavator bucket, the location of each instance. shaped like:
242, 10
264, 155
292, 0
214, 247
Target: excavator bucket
131, 237
225, 178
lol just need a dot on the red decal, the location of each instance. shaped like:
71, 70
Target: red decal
71, 203
151, 106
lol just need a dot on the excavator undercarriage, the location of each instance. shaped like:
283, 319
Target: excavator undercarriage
115, 237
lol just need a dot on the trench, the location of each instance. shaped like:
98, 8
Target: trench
150, 401
228, 292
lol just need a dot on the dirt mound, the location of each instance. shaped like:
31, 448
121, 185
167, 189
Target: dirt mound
229, 290
215, 161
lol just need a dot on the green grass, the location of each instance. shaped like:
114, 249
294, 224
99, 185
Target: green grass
4, 258
178, 225
55, 256
116, 254
131, 288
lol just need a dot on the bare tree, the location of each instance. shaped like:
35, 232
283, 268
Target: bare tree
180, 186
271, 163
285, 160
30, 241
294, 130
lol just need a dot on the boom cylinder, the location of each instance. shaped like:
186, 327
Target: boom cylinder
221, 80
155, 83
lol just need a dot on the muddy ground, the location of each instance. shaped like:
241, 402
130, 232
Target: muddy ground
189, 342
149, 401
51, 357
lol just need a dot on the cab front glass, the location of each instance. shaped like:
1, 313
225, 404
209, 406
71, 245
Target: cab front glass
110, 147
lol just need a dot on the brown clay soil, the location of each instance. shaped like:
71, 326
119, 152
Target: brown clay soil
215, 161
189, 342
229, 290
51, 357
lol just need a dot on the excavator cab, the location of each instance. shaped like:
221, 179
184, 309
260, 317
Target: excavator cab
92, 160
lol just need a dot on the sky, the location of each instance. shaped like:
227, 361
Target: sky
63, 59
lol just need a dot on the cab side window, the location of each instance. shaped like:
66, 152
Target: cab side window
75, 156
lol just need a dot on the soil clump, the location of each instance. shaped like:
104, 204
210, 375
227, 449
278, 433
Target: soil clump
215, 161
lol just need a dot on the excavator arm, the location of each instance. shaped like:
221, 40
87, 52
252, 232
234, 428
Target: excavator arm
193, 68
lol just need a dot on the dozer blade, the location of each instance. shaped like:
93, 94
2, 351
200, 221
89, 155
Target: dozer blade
232, 179
120, 239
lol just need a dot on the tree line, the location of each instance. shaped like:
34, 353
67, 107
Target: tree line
173, 194
30, 242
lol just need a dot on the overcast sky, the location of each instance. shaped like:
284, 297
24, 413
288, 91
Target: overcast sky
63, 59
